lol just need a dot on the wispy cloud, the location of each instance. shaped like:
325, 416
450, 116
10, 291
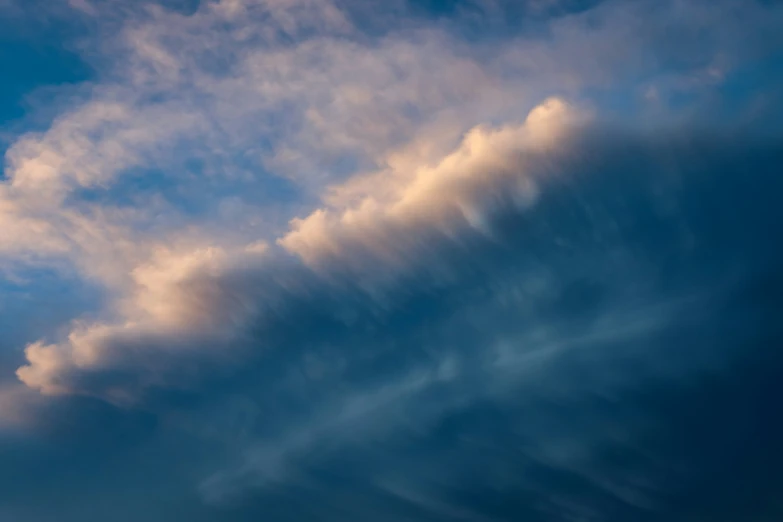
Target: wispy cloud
363, 255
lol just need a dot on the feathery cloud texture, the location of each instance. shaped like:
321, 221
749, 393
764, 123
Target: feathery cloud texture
336, 260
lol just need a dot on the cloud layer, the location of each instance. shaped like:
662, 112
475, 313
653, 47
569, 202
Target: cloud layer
317, 260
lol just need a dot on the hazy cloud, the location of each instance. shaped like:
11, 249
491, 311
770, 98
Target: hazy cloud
329, 260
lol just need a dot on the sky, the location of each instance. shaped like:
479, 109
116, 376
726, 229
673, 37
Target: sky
391, 260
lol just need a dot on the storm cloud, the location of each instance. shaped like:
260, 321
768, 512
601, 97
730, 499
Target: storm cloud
307, 260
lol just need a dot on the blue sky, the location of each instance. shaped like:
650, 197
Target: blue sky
329, 260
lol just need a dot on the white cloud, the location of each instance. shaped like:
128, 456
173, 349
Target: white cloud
182, 294
403, 136
174, 307
490, 168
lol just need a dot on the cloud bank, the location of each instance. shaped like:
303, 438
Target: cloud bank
324, 261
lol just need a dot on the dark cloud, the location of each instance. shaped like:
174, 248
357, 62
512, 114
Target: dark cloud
661, 303
609, 354
582, 330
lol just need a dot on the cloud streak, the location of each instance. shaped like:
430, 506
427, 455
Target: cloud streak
342, 262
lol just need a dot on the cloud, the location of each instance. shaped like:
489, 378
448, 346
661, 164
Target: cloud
613, 279
487, 168
252, 111
14, 400
186, 294
411, 272
559, 292
174, 306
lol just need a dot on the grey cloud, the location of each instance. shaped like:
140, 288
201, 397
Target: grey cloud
585, 330
568, 394
641, 269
